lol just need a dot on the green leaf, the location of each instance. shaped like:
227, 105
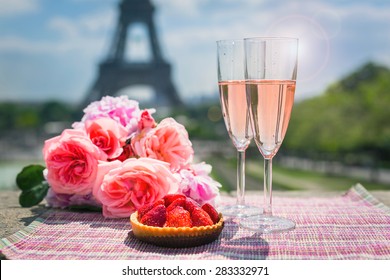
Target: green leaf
30, 176
34, 195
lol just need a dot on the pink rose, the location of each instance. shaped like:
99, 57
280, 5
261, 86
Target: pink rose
197, 184
168, 142
71, 162
107, 134
121, 109
61, 200
146, 121
123, 187
127, 152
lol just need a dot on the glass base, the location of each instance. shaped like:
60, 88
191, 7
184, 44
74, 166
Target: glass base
267, 224
239, 211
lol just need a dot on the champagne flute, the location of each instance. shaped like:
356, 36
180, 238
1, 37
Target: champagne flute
270, 75
232, 92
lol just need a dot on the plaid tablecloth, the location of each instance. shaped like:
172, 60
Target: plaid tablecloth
352, 226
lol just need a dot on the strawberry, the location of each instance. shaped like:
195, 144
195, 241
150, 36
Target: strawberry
156, 217
178, 217
169, 198
146, 208
191, 205
200, 217
211, 211
178, 202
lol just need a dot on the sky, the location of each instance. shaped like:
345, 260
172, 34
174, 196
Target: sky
50, 50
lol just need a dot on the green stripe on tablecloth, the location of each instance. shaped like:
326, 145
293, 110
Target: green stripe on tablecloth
21, 234
365, 195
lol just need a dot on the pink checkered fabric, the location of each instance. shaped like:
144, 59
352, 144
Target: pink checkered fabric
352, 226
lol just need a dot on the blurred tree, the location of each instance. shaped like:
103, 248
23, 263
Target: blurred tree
56, 111
27, 118
352, 117
7, 116
20, 116
202, 121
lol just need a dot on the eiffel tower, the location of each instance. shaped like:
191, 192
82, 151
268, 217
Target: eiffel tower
116, 73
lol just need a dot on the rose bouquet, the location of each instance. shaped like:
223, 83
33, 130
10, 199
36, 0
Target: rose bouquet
117, 158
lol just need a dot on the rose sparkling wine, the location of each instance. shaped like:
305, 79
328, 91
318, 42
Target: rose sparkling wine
271, 65
234, 106
233, 96
271, 103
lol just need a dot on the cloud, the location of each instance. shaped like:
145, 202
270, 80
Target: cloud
23, 45
366, 10
335, 36
326, 30
60, 63
87, 34
179, 8
10, 8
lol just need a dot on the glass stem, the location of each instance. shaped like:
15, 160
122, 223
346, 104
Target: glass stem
241, 177
267, 187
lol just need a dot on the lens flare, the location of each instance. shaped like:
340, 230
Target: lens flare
314, 45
